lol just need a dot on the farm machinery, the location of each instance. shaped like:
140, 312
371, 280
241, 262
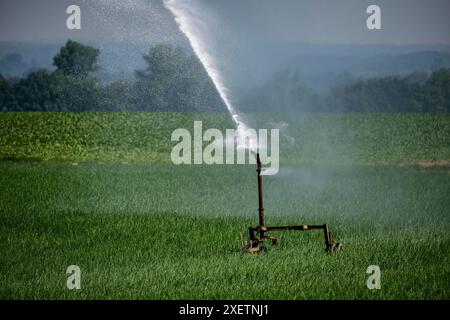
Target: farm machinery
259, 234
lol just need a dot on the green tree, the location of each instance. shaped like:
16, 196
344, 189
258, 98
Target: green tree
76, 60
387, 94
76, 95
38, 92
7, 98
436, 92
116, 96
164, 61
175, 81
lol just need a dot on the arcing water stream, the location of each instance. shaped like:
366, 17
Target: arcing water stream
187, 14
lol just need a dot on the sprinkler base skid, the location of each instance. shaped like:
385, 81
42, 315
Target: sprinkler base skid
258, 234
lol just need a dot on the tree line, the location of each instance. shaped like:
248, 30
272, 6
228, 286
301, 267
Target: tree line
417, 92
172, 81
175, 81
413, 93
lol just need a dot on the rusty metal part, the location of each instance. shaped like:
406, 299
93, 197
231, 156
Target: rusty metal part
258, 234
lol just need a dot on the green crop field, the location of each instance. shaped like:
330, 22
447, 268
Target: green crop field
358, 138
98, 190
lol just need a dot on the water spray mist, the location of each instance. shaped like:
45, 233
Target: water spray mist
192, 26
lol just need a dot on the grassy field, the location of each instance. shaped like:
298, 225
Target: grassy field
330, 139
140, 227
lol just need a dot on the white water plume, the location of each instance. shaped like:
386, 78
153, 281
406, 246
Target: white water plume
188, 16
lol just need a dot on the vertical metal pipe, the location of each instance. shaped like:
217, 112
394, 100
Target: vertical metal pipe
327, 236
260, 195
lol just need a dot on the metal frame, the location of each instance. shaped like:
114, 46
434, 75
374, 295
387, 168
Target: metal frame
258, 234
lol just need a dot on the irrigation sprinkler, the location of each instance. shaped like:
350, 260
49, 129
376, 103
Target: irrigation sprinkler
258, 235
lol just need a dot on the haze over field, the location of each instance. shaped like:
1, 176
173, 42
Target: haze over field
252, 38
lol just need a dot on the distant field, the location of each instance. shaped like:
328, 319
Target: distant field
98, 190
359, 138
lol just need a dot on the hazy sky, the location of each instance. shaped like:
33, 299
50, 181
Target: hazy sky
294, 21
